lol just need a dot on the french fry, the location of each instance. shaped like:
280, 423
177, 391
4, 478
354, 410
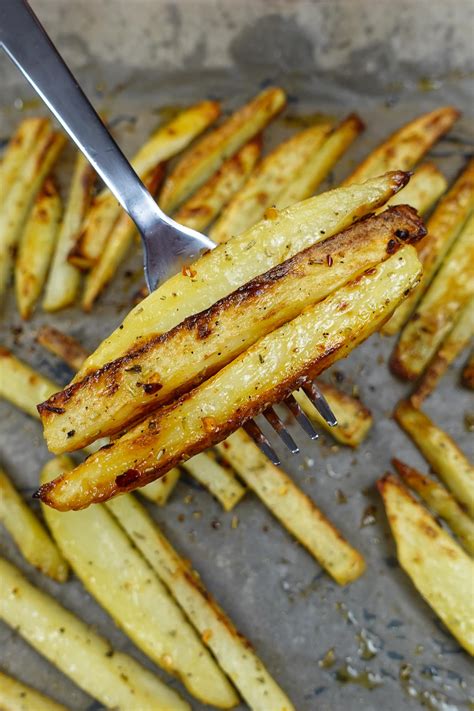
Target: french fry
61, 345
113, 678
229, 266
404, 148
18, 149
455, 342
16, 696
36, 247
295, 511
171, 364
112, 570
448, 293
64, 279
220, 481
160, 490
22, 195
207, 202
441, 452
201, 161
353, 419
440, 570
443, 227
29, 535
165, 143
21, 385
267, 181
232, 651
468, 373
441, 502
320, 163
426, 186
266, 373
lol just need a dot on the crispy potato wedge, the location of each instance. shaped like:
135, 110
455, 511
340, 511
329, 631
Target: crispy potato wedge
64, 279
37, 244
29, 535
201, 208
457, 339
115, 573
21, 196
441, 452
65, 347
113, 678
17, 151
293, 508
441, 502
160, 490
21, 385
165, 143
426, 186
202, 160
16, 696
404, 148
232, 651
443, 227
267, 181
448, 293
319, 164
440, 570
264, 374
217, 479
468, 373
168, 365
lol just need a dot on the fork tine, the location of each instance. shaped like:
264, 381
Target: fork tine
254, 431
302, 419
273, 419
320, 402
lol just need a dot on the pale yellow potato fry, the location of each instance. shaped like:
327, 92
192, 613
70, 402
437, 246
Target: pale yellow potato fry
293, 508
448, 293
404, 148
441, 452
426, 186
160, 490
232, 651
202, 160
165, 143
116, 680
320, 163
118, 577
61, 345
457, 339
16, 153
468, 373
29, 535
441, 502
231, 265
217, 479
21, 385
443, 227
264, 374
16, 696
22, 195
64, 279
440, 570
36, 248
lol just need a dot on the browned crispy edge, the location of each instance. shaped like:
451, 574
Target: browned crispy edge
62, 345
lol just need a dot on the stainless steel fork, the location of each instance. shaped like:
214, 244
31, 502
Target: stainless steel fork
167, 245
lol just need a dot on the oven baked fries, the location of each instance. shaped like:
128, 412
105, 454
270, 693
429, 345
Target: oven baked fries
467, 377
21, 385
17, 151
440, 570
60, 344
426, 186
15, 696
264, 374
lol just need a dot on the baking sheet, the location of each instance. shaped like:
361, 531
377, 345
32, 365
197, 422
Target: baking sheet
139, 62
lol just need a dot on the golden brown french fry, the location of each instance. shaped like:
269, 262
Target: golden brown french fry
232, 651
267, 181
441, 502
17, 151
37, 244
160, 490
441, 452
217, 479
21, 385
320, 163
404, 148
170, 364
267, 372
22, 195
426, 186
29, 535
468, 373
201, 161
448, 293
16, 696
455, 342
165, 143
113, 678
61, 345
64, 279
440, 570
115, 573
229, 266
295, 511
443, 227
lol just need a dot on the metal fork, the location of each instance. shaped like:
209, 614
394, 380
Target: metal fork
167, 246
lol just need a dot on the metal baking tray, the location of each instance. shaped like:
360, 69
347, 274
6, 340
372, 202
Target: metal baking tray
389, 62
